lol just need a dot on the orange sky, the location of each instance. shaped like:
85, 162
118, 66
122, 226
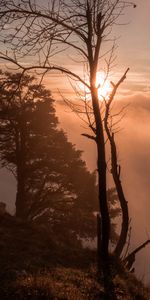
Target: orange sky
134, 139
133, 51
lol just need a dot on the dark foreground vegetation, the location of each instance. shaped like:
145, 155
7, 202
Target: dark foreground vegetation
54, 187
34, 265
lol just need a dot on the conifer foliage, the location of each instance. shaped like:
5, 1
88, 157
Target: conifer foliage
53, 183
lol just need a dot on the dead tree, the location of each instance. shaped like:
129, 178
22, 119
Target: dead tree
115, 170
46, 33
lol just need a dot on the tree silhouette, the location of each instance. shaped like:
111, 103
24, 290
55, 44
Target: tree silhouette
47, 31
53, 182
48, 191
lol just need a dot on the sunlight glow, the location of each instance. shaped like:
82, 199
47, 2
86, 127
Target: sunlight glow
104, 86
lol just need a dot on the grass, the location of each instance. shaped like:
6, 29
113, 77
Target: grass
34, 266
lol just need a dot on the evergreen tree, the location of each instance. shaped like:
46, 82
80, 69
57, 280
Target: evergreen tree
53, 183
54, 186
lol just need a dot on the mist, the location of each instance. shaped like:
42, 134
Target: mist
133, 144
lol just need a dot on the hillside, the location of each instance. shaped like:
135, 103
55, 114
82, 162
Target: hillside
34, 265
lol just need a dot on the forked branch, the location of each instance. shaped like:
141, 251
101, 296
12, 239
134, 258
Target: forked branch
116, 170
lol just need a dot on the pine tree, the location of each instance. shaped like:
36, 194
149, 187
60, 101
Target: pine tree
54, 186
53, 183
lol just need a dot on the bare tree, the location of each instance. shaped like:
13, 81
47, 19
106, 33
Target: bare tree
47, 33
116, 170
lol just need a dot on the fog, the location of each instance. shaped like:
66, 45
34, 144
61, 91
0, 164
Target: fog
133, 142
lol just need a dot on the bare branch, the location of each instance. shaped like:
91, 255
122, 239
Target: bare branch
89, 136
130, 259
48, 68
116, 169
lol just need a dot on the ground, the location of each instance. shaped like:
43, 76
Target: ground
34, 265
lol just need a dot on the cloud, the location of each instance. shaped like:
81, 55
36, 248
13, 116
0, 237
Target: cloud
133, 143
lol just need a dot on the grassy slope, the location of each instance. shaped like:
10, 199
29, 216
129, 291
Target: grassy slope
33, 266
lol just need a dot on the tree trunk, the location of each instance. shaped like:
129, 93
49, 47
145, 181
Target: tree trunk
103, 255
103, 220
20, 198
116, 173
123, 203
21, 162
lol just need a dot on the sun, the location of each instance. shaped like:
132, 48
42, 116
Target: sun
104, 86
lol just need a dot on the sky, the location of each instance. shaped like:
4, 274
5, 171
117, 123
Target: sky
133, 140
133, 51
